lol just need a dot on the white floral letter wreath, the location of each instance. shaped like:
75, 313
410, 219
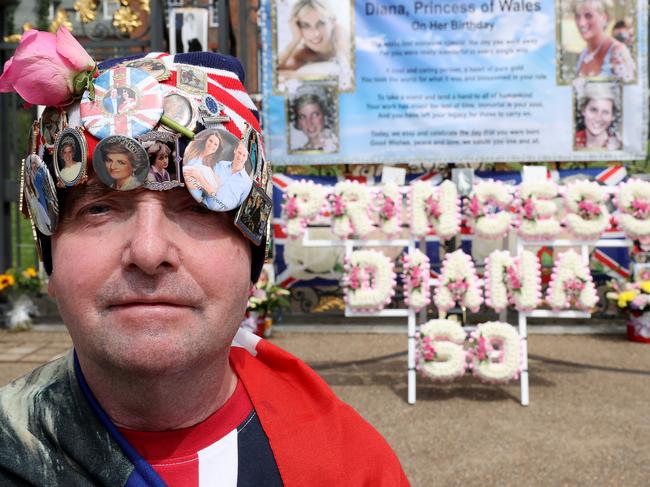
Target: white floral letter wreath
438, 206
571, 284
388, 204
634, 205
350, 208
458, 283
537, 210
587, 215
440, 350
496, 352
416, 279
369, 280
512, 280
487, 209
303, 201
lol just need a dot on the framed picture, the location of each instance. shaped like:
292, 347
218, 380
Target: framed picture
164, 161
70, 156
312, 116
597, 115
313, 39
188, 30
253, 214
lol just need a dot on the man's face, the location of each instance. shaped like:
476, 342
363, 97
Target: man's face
241, 154
134, 277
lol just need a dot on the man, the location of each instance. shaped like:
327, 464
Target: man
235, 182
162, 388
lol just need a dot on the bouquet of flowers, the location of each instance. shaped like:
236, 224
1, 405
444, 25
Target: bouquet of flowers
17, 287
635, 297
268, 298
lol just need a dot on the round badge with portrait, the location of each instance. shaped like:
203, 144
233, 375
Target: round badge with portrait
127, 101
217, 170
121, 162
70, 155
179, 108
40, 195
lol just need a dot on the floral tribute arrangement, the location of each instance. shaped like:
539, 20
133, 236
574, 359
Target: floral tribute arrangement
587, 215
633, 202
350, 209
303, 201
571, 284
415, 276
459, 283
18, 287
265, 298
492, 351
513, 281
537, 210
635, 297
434, 207
388, 205
369, 281
487, 209
495, 352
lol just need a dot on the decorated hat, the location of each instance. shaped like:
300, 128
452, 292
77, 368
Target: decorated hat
156, 122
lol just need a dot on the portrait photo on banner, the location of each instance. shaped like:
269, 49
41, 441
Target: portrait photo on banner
188, 30
312, 116
313, 39
596, 39
598, 118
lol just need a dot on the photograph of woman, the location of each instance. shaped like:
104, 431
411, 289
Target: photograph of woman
598, 116
120, 163
312, 115
69, 168
215, 170
159, 154
600, 54
317, 42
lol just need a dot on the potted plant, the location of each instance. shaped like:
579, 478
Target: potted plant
265, 299
17, 288
635, 298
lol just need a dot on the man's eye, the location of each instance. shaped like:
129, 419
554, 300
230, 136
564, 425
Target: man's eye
96, 209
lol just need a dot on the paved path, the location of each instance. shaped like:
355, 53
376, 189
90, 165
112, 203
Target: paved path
587, 425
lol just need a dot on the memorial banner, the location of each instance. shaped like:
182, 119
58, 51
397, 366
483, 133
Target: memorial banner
454, 81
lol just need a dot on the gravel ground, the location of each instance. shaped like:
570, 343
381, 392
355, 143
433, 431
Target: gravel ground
587, 423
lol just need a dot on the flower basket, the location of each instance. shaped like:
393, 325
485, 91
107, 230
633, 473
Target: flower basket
635, 298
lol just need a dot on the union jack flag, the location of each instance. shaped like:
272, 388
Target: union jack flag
114, 111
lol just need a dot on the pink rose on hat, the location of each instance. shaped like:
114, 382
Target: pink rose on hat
44, 67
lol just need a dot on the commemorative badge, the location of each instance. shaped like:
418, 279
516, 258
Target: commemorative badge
211, 110
70, 157
217, 170
121, 162
253, 215
155, 67
164, 162
40, 195
180, 109
127, 102
191, 79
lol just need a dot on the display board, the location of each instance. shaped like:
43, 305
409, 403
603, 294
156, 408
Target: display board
454, 81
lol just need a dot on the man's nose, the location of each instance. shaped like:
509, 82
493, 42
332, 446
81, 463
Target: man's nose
152, 247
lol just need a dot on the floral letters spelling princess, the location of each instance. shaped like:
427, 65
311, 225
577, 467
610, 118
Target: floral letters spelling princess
369, 280
388, 205
350, 209
587, 215
438, 207
537, 210
633, 202
303, 201
487, 209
